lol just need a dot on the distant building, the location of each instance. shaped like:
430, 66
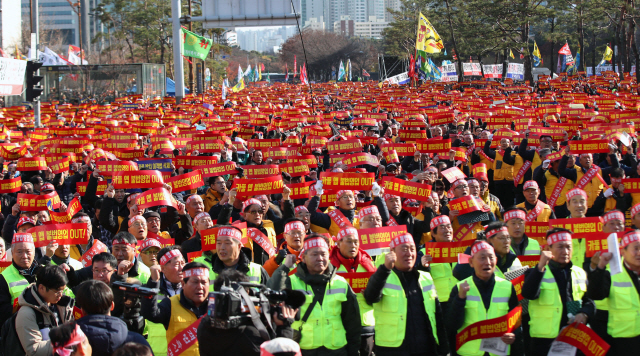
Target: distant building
231, 37
344, 27
371, 29
395, 5
314, 24
10, 25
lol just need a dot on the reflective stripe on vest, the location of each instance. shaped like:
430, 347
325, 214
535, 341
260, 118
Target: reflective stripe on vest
474, 310
624, 307
181, 318
532, 249
366, 310
157, 335
546, 311
324, 326
16, 282
391, 311
255, 271
442, 275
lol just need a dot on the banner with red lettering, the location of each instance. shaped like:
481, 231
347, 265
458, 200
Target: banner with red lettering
585, 339
294, 169
137, 179
357, 280
155, 197
358, 159
487, 329
37, 163
446, 252
263, 171
581, 227
589, 146
98, 247
185, 182
60, 166
406, 189
344, 146
63, 217
11, 185
63, 234
352, 181
251, 187
32, 202
379, 237
300, 190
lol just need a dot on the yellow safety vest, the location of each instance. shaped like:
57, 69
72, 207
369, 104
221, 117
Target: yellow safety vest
366, 310
181, 319
579, 251
551, 183
546, 311
506, 170
391, 311
334, 229
157, 335
533, 248
624, 307
16, 282
271, 235
324, 326
442, 275
255, 271
474, 310
544, 215
593, 188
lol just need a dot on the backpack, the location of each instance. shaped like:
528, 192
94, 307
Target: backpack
10, 342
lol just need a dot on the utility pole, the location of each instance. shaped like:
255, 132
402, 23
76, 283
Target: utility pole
191, 84
35, 39
178, 67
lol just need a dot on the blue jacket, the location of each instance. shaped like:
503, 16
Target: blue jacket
106, 333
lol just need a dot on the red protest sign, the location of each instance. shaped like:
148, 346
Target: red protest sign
108, 168
155, 197
300, 190
402, 149
357, 159
218, 169
260, 144
98, 247
32, 202
584, 338
357, 280
37, 163
433, 145
446, 252
81, 187
589, 146
63, 217
294, 169
4, 265
352, 181
63, 234
407, 189
517, 285
353, 145
631, 185
453, 174
379, 237
251, 187
194, 162
310, 160
581, 227
491, 328
191, 256
599, 243
466, 204
137, 179
185, 182
529, 260
11, 185
60, 166
262, 171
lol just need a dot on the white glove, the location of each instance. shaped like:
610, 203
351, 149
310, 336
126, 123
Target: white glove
375, 189
545, 164
608, 192
319, 190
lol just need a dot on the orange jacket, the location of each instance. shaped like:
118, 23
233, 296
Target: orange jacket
270, 266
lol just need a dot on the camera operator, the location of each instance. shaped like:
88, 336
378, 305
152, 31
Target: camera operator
180, 314
333, 326
244, 340
231, 255
167, 276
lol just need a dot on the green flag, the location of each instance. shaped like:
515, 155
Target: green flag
193, 45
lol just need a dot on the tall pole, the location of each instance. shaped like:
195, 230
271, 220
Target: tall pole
178, 69
191, 84
35, 37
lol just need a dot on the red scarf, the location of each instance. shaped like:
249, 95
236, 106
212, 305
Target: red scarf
351, 264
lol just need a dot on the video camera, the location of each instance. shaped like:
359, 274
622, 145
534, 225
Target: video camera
231, 306
132, 294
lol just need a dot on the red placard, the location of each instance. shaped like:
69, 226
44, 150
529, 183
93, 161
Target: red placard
599, 243
589, 146
262, 171
357, 280
218, 169
433, 145
11, 185
631, 185
310, 160
353, 145
357, 159
446, 252
63, 234
137, 179
155, 197
37, 163
379, 237
260, 144
460, 154
294, 169
4, 265
193, 162
300, 190
108, 168
517, 285
466, 204
32, 202
491, 328
251, 187
191, 256
98, 247
529, 260
402, 149
60, 166
407, 189
63, 217
453, 174
352, 181
81, 187
581, 227
584, 338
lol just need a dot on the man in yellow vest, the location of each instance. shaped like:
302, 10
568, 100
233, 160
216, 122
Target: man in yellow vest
577, 206
441, 273
622, 295
230, 254
556, 290
408, 315
180, 314
555, 186
482, 296
167, 277
503, 172
588, 176
635, 216
516, 218
347, 257
217, 188
329, 321
614, 197
536, 209
528, 160
461, 232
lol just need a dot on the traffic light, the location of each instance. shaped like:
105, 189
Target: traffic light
33, 88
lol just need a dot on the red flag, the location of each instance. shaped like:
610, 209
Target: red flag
365, 73
412, 67
565, 49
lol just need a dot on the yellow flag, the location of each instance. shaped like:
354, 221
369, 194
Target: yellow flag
607, 54
236, 88
428, 39
511, 54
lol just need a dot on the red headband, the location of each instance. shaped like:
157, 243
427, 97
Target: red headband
493, 232
301, 208
168, 256
629, 238
150, 242
515, 214
482, 245
22, 237
294, 225
199, 216
439, 220
198, 271
558, 237
340, 192
530, 184
368, 210
122, 242
132, 197
635, 210
576, 191
137, 217
613, 215
76, 338
401, 240
230, 232
345, 232
314, 242
250, 202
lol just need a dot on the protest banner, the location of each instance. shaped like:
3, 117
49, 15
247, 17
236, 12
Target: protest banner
258, 186
137, 179
407, 189
155, 197
12, 185
357, 280
352, 181
185, 182
262, 171
446, 252
62, 234
581, 227
491, 328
